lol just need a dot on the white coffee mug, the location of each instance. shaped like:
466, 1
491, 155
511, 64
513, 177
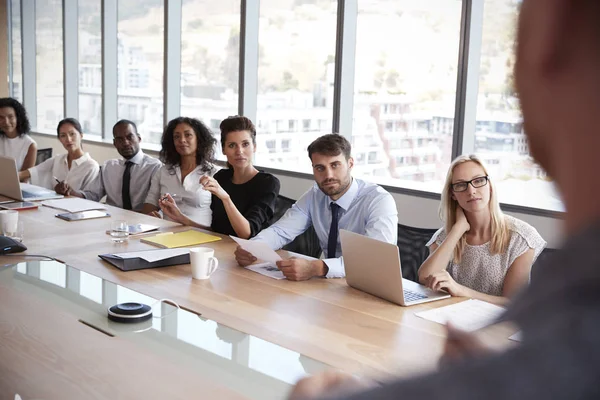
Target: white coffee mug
203, 262
9, 220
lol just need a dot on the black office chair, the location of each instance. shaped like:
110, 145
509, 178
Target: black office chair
541, 261
411, 244
43, 155
307, 243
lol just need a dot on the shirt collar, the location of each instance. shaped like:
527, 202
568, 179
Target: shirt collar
84, 158
349, 196
137, 159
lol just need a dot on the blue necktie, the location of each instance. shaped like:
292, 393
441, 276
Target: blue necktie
333, 231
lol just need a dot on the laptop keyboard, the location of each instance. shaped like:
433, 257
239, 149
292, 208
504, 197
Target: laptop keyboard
409, 295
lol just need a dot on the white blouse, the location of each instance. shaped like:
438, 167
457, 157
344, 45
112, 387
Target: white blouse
16, 148
191, 198
485, 272
83, 171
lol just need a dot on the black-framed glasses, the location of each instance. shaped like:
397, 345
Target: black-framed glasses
478, 182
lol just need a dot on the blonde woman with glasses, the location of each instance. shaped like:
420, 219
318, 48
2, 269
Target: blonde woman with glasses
480, 252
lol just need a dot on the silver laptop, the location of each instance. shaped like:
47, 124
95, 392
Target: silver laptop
10, 186
373, 266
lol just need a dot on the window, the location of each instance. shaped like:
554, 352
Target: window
285, 146
401, 87
16, 85
90, 66
140, 56
499, 136
49, 63
210, 49
295, 75
271, 146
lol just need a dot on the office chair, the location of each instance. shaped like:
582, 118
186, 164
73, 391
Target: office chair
307, 243
413, 252
43, 155
542, 260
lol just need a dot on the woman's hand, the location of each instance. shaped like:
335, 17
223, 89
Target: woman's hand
169, 208
443, 281
213, 187
63, 188
461, 220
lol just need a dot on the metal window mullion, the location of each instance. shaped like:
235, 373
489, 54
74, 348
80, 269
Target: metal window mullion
172, 61
28, 63
248, 72
345, 59
109, 17
10, 47
467, 88
70, 58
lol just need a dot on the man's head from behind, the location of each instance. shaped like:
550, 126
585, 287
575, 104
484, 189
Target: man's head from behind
332, 164
558, 80
126, 139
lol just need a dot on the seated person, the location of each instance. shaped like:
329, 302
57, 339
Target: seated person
336, 201
126, 181
188, 153
66, 172
14, 134
480, 253
243, 198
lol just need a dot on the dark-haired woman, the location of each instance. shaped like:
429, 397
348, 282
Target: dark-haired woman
243, 198
68, 171
188, 153
15, 141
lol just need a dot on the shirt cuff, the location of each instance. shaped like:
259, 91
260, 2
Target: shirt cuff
336, 267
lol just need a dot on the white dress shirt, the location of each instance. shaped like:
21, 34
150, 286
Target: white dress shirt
16, 148
366, 209
109, 181
82, 172
191, 198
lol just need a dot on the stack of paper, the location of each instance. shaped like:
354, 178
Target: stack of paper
469, 315
74, 204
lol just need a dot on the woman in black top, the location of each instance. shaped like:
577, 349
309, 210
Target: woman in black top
243, 198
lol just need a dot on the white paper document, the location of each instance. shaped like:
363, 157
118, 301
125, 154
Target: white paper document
517, 337
469, 315
74, 204
154, 255
258, 249
267, 269
263, 252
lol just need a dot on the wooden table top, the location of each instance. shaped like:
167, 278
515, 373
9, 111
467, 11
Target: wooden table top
321, 318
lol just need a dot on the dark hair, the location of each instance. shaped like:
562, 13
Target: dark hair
71, 121
205, 153
125, 122
331, 144
23, 126
236, 123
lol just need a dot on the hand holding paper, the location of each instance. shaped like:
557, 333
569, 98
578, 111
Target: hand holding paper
260, 250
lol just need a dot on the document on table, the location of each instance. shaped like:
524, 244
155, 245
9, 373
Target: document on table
153, 255
517, 337
263, 252
74, 204
469, 315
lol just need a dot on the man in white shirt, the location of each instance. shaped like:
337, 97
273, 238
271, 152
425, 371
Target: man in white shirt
337, 201
125, 182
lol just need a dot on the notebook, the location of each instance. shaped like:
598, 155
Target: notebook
74, 204
170, 240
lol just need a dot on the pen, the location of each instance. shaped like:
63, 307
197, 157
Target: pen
56, 179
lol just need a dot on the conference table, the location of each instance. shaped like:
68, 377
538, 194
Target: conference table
314, 325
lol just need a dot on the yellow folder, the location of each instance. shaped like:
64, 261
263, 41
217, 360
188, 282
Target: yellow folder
171, 240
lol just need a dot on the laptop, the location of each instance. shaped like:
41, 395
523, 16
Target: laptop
373, 266
11, 187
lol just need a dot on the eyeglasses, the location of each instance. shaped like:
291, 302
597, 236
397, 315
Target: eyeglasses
476, 183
